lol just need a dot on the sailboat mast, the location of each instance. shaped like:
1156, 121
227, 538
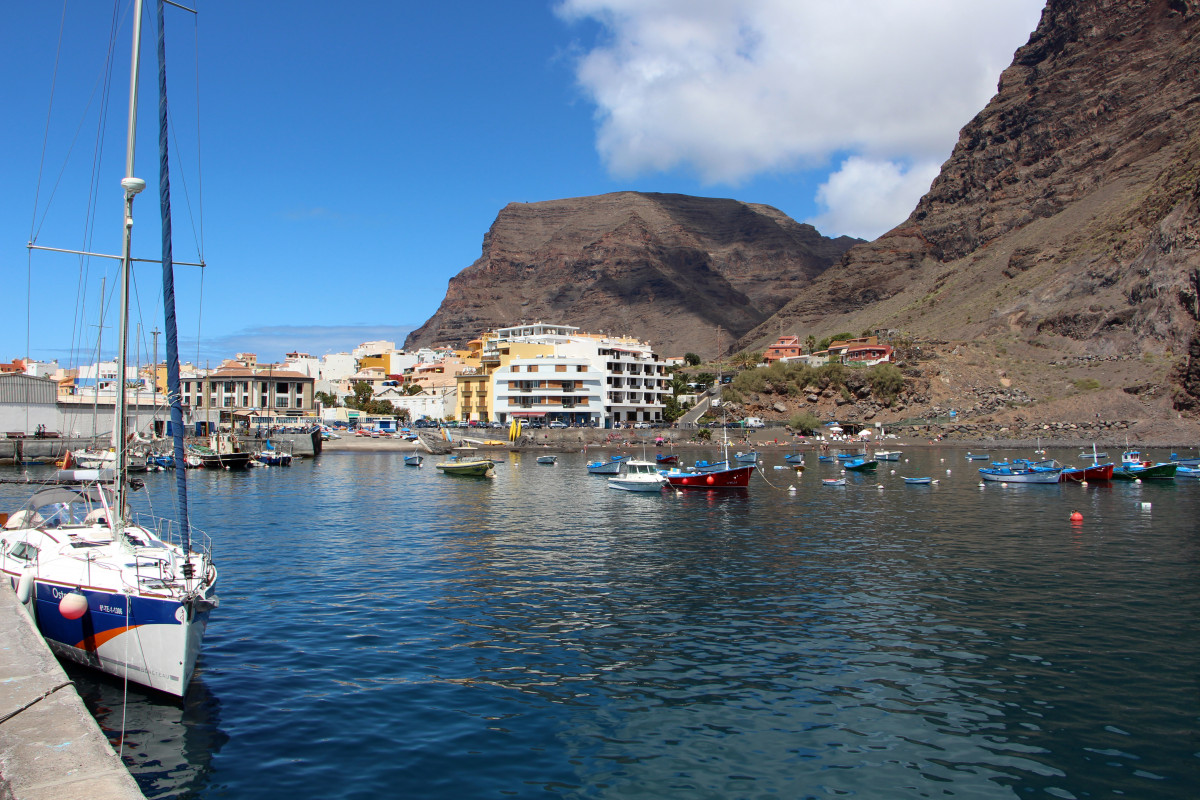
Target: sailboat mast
131, 187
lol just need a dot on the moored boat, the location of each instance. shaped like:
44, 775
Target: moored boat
124, 593
609, 466
794, 458
413, 460
474, 467
731, 478
1018, 474
711, 466
861, 465
1134, 468
1096, 472
638, 476
547, 459
833, 481
746, 458
887, 455
918, 481
666, 458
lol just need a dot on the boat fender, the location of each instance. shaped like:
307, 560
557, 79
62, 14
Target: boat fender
1076, 516
210, 574
710, 480
25, 586
73, 605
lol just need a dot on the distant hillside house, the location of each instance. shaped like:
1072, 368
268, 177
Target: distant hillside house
785, 347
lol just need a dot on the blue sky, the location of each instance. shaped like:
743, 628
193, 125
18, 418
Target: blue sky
352, 156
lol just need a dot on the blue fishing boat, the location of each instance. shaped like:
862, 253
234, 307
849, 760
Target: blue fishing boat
609, 466
861, 465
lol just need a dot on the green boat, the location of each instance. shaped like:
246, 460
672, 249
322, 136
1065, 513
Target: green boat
1161, 471
1134, 469
467, 463
861, 465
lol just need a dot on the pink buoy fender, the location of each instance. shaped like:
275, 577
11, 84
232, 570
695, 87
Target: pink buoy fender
73, 605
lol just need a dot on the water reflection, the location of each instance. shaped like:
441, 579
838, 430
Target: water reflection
168, 744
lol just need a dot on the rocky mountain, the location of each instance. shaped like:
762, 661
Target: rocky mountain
1064, 230
681, 272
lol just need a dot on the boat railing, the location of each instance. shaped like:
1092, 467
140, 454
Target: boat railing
169, 531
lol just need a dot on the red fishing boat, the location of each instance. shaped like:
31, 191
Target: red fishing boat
1099, 472
733, 478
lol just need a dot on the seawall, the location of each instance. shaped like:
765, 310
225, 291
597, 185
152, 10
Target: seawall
50, 746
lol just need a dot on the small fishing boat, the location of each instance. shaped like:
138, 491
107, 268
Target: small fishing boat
1018, 474
1134, 468
731, 478
977, 456
666, 458
746, 458
269, 456
638, 476
711, 466
413, 460
918, 481
1187, 472
861, 465
833, 481
851, 456
825, 459
1096, 472
887, 455
223, 453
465, 462
547, 459
611, 466
1188, 461
794, 458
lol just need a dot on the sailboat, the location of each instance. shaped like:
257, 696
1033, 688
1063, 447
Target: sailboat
127, 594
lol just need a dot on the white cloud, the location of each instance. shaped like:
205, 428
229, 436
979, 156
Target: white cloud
731, 89
866, 197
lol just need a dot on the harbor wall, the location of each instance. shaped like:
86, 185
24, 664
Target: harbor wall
50, 746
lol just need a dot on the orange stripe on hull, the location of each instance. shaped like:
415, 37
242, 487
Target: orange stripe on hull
94, 641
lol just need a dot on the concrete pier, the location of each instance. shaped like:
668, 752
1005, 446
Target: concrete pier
50, 748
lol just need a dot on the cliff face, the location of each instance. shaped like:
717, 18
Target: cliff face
1067, 214
670, 269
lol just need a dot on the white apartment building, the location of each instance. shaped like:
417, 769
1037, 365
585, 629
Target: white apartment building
580, 378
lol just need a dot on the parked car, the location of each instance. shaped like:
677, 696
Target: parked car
558, 424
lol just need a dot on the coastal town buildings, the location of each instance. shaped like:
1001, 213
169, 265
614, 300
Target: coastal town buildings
555, 373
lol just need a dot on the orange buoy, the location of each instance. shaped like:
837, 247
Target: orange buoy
1076, 516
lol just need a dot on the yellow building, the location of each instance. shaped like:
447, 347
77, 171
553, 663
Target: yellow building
475, 400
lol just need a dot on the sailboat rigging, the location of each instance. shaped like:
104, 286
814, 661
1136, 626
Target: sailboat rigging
127, 594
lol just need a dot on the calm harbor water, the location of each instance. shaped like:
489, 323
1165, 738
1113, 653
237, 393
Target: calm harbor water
387, 631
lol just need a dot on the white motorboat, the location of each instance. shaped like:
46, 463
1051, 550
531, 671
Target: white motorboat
638, 476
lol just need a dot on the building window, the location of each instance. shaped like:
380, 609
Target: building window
560, 367
281, 402
532, 368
